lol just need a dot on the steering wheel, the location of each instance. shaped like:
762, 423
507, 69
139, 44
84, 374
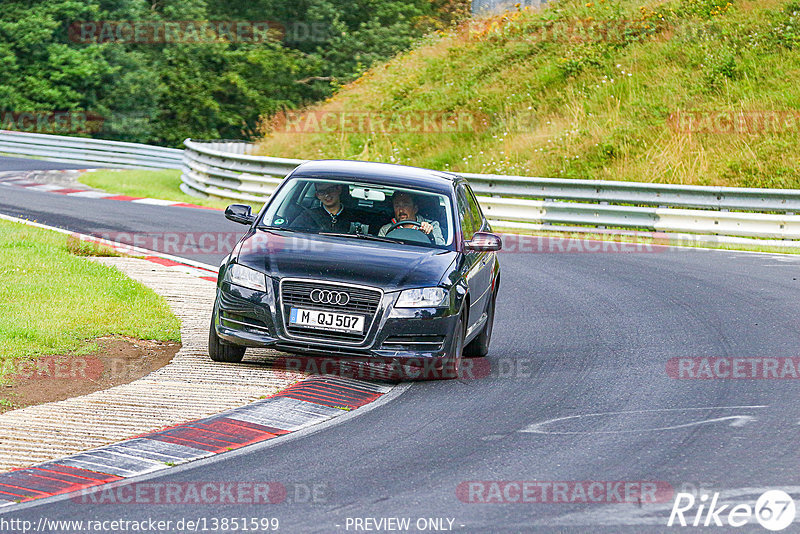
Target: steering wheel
417, 224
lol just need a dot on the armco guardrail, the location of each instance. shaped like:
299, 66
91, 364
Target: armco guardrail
225, 169
228, 170
685, 196
86, 151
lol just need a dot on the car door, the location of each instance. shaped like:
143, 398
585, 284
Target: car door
486, 260
472, 259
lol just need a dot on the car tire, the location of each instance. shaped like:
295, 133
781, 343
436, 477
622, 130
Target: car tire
220, 352
479, 347
452, 364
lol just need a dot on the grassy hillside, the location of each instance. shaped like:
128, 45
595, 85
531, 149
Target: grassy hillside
679, 91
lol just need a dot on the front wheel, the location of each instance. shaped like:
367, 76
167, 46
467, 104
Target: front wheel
479, 347
452, 364
220, 352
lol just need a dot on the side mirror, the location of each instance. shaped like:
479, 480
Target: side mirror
239, 213
484, 242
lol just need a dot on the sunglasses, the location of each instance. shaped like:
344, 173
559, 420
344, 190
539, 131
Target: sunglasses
327, 191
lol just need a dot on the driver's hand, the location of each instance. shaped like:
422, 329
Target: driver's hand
426, 227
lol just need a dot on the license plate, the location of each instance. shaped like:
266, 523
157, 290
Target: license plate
339, 322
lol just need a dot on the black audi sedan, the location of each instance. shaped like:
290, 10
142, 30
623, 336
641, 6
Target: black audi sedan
359, 260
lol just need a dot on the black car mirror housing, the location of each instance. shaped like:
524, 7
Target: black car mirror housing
239, 213
484, 242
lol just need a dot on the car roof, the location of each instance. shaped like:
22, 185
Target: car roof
380, 173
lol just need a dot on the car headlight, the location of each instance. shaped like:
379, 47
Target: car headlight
246, 277
426, 297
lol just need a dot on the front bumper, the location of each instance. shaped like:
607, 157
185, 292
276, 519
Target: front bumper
406, 335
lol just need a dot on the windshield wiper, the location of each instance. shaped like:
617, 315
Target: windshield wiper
285, 229
369, 237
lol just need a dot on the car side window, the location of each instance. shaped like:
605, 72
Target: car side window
465, 213
475, 210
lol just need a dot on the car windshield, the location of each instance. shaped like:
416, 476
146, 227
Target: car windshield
358, 210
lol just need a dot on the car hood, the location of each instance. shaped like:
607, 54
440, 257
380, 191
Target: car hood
386, 265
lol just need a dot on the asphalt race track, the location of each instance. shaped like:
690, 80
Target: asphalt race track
576, 389
27, 164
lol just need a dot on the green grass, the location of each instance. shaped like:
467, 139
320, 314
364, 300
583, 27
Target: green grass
161, 184
56, 302
597, 105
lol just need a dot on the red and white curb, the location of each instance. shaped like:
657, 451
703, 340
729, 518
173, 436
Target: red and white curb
310, 402
88, 193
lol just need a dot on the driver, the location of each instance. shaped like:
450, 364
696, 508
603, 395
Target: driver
405, 209
331, 216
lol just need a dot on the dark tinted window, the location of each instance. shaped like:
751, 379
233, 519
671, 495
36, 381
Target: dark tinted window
475, 210
465, 213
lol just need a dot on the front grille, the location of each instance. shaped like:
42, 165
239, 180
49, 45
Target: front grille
362, 301
297, 294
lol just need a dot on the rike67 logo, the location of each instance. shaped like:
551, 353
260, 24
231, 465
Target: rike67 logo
774, 510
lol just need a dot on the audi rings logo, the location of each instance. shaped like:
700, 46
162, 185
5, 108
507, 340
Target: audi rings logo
324, 296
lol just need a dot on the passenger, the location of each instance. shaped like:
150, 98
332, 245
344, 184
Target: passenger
406, 209
331, 216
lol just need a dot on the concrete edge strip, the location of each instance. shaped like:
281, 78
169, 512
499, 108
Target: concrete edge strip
283, 413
